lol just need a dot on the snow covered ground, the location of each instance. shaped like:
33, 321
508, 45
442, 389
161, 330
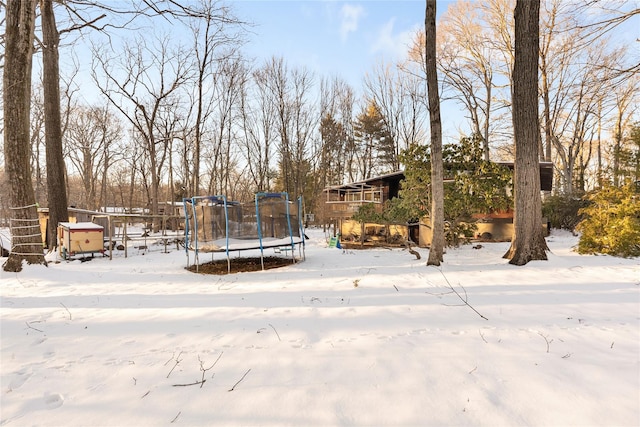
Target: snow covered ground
342, 339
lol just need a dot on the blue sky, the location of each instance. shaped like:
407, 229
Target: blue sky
329, 37
332, 37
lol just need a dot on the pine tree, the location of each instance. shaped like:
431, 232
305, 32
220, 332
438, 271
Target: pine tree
376, 145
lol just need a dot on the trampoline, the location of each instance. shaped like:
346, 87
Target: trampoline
215, 225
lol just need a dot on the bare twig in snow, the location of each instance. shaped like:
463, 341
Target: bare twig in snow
170, 359
190, 384
240, 380
204, 370
65, 307
178, 360
174, 420
463, 299
546, 340
274, 330
482, 336
31, 327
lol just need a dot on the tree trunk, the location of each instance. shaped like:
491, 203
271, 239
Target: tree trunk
195, 189
436, 250
26, 237
599, 149
485, 136
545, 152
528, 242
56, 185
617, 150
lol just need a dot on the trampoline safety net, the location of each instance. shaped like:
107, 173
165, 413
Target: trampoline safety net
214, 224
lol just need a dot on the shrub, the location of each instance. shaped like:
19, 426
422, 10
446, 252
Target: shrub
472, 185
457, 233
611, 223
563, 212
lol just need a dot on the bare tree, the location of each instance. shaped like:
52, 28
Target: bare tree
103, 17
222, 150
258, 130
125, 174
146, 78
576, 83
399, 95
91, 147
305, 121
528, 242
498, 15
290, 93
601, 17
626, 97
56, 185
275, 75
466, 59
38, 148
550, 23
338, 147
382, 91
412, 127
19, 35
214, 41
436, 251
336, 130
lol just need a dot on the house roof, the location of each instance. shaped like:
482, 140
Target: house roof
365, 183
546, 178
546, 174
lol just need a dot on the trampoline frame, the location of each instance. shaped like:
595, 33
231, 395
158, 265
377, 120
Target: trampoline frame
193, 243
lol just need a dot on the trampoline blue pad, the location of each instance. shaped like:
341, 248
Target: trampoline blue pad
222, 245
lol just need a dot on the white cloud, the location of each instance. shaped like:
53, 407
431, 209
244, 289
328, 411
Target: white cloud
389, 43
350, 16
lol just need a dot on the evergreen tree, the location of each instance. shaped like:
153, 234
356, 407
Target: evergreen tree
629, 156
471, 185
334, 141
611, 223
377, 150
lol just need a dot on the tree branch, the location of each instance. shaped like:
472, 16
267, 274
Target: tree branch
240, 380
89, 24
463, 299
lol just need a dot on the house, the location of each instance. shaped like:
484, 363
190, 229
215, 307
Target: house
343, 201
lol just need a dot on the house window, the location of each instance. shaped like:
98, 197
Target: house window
364, 196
